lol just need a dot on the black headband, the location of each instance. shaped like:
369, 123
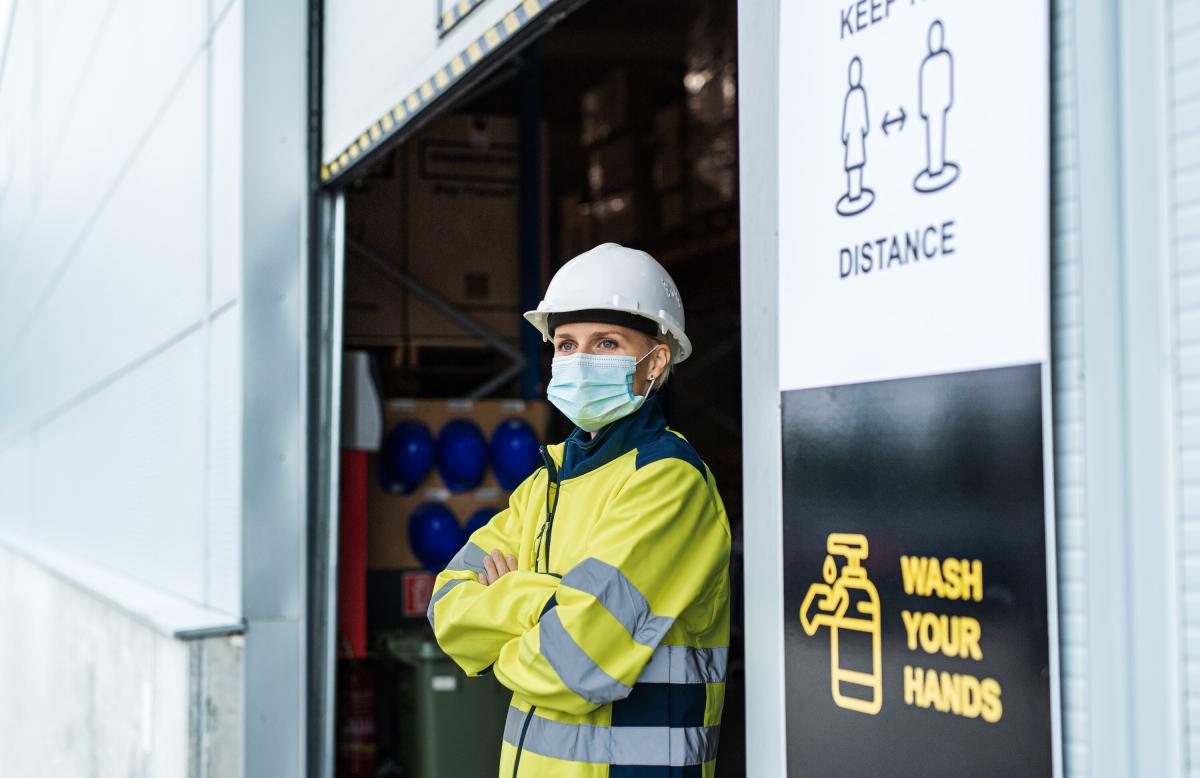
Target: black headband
602, 316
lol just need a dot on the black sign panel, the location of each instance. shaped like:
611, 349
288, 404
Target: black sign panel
915, 577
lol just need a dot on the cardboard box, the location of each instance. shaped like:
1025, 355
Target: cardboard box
613, 166
713, 167
605, 108
448, 215
668, 160
622, 217
576, 226
387, 514
618, 104
711, 78
672, 210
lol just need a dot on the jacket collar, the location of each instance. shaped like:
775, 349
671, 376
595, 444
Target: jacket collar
583, 453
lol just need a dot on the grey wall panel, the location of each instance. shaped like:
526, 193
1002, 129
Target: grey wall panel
274, 189
1183, 97
274, 377
140, 704
1068, 379
110, 668
762, 468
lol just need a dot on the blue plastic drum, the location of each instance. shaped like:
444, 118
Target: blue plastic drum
461, 455
406, 458
478, 519
514, 452
434, 534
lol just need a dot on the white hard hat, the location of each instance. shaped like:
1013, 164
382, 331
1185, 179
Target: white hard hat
611, 277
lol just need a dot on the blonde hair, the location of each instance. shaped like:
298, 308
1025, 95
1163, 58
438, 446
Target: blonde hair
661, 379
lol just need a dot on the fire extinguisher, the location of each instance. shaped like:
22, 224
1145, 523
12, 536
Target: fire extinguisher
356, 722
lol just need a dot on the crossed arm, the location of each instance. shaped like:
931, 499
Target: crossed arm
581, 642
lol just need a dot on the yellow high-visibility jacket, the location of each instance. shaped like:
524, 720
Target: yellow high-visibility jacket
613, 633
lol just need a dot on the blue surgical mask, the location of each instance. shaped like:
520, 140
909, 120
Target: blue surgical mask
593, 390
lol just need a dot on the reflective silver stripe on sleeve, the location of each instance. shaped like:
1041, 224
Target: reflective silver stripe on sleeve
648, 746
469, 557
576, 669
684, 664
622, 599
439, 594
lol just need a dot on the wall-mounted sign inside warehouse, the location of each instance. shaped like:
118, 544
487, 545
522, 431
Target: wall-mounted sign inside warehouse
914, 345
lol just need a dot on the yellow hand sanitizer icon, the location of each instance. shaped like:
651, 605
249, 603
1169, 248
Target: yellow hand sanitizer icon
848, 603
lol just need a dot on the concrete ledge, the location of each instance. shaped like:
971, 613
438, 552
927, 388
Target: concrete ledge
164, 613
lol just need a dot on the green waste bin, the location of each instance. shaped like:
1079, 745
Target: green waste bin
449, 725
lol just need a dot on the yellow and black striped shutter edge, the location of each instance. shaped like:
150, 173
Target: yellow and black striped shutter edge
441, 79
456, 13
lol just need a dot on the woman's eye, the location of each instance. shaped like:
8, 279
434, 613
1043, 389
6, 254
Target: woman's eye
566, 346
608, 344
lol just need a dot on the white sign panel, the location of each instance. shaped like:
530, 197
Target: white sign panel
914, 188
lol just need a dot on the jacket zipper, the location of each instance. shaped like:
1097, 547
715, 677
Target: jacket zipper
521, 739
552, 480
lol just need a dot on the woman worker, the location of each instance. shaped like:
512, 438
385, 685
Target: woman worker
600, 596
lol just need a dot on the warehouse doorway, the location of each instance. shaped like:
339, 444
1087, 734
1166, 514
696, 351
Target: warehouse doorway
617, 124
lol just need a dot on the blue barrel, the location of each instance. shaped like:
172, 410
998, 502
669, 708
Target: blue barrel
407, 457
514, 452
461, 455
478, 519
434, 534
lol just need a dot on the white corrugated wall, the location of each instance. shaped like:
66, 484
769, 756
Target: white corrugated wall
120, 267
1183, 148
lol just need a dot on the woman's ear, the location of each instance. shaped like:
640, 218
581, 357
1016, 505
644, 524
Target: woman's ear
662, 358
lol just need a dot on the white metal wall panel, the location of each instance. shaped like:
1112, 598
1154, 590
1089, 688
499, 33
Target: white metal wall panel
132, 78
121, 259
16, 480
225, 139
1068, 377
377, 52
224, 539
1183, 81
17, 144
134, 281
224, 446
119, 477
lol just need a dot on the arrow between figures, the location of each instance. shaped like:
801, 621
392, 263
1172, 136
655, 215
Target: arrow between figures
888, 122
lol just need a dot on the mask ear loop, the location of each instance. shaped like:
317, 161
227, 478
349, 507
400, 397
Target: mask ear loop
648, 353
649, 388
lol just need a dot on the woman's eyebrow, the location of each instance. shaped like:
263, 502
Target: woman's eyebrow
605, 334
